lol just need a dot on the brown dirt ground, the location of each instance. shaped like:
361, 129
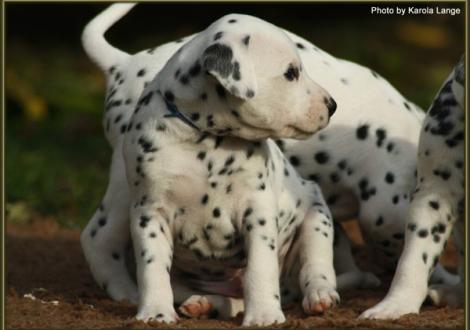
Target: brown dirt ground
46, 261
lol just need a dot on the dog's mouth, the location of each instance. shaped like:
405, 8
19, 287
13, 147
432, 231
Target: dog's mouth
258, 132
288, 132
301, 134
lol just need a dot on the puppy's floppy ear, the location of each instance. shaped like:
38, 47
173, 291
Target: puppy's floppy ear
231, 66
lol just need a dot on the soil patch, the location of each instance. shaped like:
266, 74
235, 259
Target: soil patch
48, 285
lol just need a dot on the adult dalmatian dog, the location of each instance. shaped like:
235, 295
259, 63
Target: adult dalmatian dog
347, 158
437, 205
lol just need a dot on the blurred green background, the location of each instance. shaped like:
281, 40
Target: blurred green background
56, 156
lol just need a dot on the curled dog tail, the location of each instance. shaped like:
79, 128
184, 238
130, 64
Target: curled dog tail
96, 46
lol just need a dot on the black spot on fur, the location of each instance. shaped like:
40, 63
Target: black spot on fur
220, 91
246, 40
102, 222
294, 160
381, 134
389, 178
434, 205
169, 96
379, 221
292, 73
218, 35
322, 157
195, 69
425, 257
362, 132
195, 116
423, 233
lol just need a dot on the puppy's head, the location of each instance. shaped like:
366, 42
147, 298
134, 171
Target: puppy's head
243, 76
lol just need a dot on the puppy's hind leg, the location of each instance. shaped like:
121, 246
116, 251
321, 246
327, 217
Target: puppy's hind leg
105, 237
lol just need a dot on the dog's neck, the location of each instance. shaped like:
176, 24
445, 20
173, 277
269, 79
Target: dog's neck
175, 113
207, 109
174, 122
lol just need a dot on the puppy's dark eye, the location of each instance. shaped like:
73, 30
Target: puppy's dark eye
292, 73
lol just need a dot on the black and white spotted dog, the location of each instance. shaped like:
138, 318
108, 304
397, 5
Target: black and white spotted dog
364, 159
209, 195
437, 205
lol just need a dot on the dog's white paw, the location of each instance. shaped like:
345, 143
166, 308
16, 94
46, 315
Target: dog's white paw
390, 308
123, 291
196, 306
319, 299
163, 314
447, 295
263, 315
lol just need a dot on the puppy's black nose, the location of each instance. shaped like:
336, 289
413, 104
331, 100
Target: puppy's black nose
331, 105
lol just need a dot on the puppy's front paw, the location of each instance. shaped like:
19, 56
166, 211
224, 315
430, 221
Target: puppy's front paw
161, 314
319, 299
263, 315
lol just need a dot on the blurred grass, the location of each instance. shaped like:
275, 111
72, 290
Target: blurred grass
55, 164
56, 155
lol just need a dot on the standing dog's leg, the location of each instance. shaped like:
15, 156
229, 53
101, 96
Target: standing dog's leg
317, 275
426, 234
437, 204
105, 237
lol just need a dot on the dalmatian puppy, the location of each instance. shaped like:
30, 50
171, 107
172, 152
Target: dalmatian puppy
209, 196
363, 160
437, 205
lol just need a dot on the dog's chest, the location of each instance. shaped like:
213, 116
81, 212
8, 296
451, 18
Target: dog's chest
207, 239
202, 197
206, 190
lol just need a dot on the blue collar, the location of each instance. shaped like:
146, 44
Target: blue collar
175, 113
